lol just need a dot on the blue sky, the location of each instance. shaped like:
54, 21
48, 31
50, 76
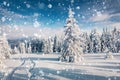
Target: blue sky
53, 13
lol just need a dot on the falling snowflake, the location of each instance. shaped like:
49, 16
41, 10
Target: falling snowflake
83, 17
28, 5
104, 7
24, 2
8, 5
109, 78
36, 24
72, 1
41, 5
58, 19
4, 34
63, 4
78, 15
25, 23
9, 19
88, 8
3, 19
59, 4
103, 3
36, 14
58, 72
18, 7
36, 35
99, 14
47, 23
4, 3
50, 6
78, 7
15, 27
23, 35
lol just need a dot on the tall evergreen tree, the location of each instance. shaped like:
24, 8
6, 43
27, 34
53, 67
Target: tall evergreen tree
72, 49
95, 40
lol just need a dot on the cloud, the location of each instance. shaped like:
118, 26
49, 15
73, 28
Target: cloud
5, 12
12, 15
114, 24
99, 17
16, 31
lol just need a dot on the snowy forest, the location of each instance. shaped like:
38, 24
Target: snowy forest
94, 42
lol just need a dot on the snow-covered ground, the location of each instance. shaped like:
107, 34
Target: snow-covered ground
47, 67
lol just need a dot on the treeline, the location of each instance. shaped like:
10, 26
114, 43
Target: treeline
107, 41
35, 45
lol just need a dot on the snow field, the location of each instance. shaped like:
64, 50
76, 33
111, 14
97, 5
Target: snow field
48, 67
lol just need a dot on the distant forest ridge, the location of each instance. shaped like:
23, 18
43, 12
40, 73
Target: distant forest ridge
94, 42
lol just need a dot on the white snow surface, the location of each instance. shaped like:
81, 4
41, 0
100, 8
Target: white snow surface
48, 67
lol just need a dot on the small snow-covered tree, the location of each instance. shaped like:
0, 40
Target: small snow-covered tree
55, 44
72, 49
48, 46
5, 49
45, 47
29, 49
103, 40
22, 47
16, 50
115, 40
95, 41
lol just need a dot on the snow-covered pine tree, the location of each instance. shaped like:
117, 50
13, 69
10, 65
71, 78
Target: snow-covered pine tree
22, 47
5, 49
29, 49
115, 40
16, 50
45, 49
72, 46
103, 40
55, 44
47, 46
95, 40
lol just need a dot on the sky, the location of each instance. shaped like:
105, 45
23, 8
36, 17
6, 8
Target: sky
52, 14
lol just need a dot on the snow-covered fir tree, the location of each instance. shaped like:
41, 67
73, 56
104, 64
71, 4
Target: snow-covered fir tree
48, 46
115, 40
84, 36
95, 41
22, 47
5, 49
72, 46
29, 49
104, 40
16, 50
55, 44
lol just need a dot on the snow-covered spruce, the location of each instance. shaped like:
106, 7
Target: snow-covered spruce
5, 49
16, 50
22, 47
72, 46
